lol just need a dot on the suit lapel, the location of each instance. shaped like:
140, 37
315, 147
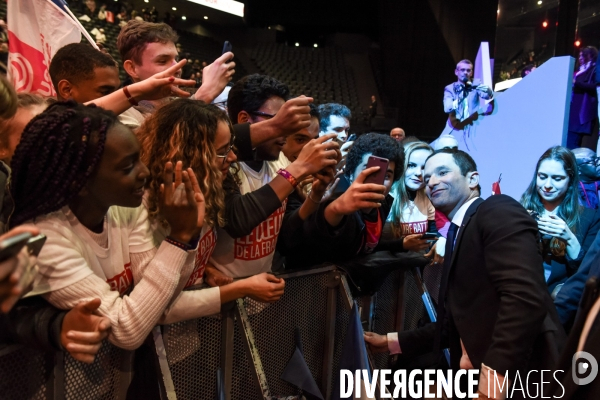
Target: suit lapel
461, 229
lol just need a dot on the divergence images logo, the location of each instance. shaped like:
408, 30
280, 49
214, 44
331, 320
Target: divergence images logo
584, 368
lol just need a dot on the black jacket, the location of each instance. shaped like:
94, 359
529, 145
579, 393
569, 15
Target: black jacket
32, 322
496, 298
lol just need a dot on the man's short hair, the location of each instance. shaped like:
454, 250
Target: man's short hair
380, 145
465, 61
583, 152
76, 62
134, 37
464, 161
250, 93
329, 109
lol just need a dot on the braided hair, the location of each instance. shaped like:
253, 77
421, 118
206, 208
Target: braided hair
59, 150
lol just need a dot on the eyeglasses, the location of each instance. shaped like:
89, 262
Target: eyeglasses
591, 161
224, 156
262, 114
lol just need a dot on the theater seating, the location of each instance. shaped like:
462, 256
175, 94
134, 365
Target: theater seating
317, 72
200, 47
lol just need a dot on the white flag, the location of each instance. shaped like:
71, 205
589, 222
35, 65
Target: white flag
36, 30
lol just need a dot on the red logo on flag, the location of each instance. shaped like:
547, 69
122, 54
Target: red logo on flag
30, 67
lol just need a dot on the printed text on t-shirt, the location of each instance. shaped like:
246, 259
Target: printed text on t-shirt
205, 250
122, 282
262, 240
410, 228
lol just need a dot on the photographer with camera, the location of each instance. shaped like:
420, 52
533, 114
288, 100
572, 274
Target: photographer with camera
461, 98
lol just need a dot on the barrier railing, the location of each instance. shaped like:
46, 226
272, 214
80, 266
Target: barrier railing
250, 342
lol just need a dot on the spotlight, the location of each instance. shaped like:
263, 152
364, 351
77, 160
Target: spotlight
297, 44
545, 24
577, 43
146, 1
183, 17
315, 45
174, 8
539, 2
205, 17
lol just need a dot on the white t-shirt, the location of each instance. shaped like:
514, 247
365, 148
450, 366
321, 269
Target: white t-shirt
415, 216
252, 254
68, 241
132, 118
206, 246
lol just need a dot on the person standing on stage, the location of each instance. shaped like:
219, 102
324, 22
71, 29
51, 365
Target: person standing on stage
461, 98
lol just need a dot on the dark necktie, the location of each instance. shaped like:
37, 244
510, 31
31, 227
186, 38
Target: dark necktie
441, 307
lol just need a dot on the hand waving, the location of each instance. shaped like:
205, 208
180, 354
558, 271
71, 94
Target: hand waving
181, 202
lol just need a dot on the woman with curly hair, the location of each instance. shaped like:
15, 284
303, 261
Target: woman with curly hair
200, 136
567, 229
77, 176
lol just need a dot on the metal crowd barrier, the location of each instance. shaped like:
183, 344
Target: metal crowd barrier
251, 343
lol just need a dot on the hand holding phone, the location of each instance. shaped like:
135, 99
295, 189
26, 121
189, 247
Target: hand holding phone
18, 267
227, 48
377, 177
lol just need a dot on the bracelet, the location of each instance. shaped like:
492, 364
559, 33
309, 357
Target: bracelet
288, 177
311, 199
131, 100
176, 243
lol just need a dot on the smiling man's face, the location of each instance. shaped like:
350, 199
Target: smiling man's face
446, 186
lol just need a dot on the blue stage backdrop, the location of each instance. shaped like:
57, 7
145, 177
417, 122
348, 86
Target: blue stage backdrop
527, 119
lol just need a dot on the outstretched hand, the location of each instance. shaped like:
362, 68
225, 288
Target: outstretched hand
215, 77
316, 155
377, 343
265, 287
292, 117
161, 85
82, 331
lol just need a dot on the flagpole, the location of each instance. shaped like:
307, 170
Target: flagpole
82, 29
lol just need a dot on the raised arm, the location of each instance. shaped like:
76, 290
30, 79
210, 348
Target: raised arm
161, 85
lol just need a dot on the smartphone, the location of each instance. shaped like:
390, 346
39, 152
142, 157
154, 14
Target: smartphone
377, 177
11, 246
226, 47
35, 244
429, 235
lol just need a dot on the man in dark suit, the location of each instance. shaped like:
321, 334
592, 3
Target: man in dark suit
495, 312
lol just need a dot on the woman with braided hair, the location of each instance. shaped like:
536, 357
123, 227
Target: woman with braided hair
77, 176
199, 135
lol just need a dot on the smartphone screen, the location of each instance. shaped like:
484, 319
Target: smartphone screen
379, 176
